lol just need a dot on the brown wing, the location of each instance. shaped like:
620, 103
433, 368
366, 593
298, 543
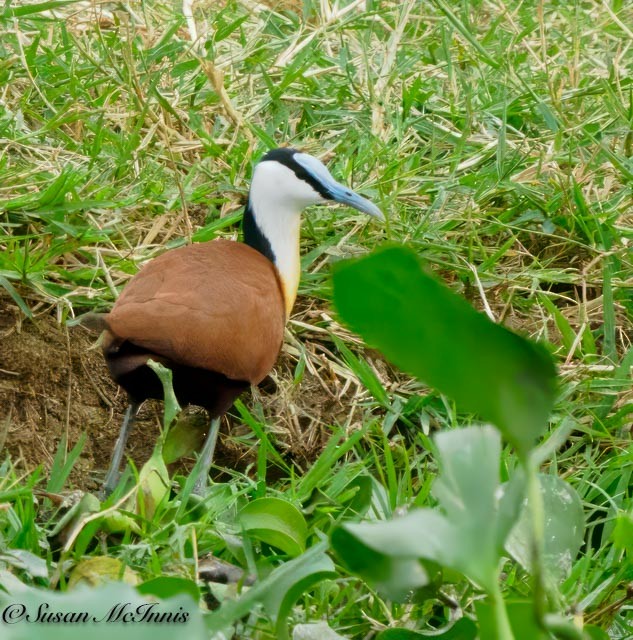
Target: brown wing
216, 306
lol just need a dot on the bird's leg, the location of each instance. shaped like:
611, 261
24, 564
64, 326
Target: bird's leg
119, 448
206, 457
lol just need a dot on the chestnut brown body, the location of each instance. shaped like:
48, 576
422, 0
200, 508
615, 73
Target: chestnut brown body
213, 313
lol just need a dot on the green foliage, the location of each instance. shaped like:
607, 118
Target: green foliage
275, 522
153, 484
468, 537
277, 592
498, 141
183, 439
623, 533
17, 298
434, 334
522, 621
63, 463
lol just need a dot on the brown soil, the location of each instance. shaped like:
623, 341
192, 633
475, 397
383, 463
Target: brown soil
53, 381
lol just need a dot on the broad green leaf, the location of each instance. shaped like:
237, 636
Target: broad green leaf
290, 581
510, 504
431, 332
467, 491
357, 495
118, 522
9, 584
114, 610
564, 529
468, 537
463, 629
380, 555
276, 522
522, 621
278, 592
184, 438
153, 484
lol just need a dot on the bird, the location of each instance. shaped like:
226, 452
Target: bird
214, 312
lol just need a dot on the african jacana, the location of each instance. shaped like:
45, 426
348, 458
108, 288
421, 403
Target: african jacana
214, 313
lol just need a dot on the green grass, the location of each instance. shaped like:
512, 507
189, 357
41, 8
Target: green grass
498, 139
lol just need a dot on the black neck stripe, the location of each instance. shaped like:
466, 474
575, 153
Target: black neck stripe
253, 235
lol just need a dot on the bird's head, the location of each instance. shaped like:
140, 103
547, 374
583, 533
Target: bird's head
291, 179
285, 182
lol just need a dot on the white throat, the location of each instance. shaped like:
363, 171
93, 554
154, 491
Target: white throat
281, 227
277, 198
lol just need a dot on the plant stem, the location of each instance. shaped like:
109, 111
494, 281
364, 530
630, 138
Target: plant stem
537, 518
502, 622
